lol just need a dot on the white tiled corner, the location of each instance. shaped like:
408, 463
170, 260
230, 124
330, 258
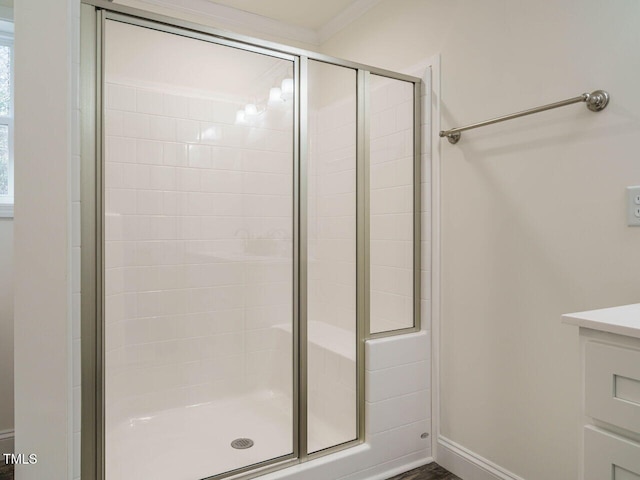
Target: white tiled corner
398, 350
395, 381
398, 411
401, 441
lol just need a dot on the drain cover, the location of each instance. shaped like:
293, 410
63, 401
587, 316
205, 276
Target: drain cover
242, 443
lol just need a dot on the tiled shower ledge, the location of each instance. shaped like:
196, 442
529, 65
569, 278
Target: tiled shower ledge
331, 338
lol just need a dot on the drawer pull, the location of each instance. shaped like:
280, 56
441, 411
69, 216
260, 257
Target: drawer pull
627, 389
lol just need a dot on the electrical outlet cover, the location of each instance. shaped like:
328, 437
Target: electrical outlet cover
633, 206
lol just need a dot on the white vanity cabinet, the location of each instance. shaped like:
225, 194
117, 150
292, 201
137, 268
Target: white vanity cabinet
610, 351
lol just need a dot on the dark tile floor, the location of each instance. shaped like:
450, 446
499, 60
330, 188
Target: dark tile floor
433, 471
6, 471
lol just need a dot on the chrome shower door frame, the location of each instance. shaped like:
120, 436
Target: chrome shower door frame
94, 14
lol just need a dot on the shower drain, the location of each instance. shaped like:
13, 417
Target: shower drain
242, 443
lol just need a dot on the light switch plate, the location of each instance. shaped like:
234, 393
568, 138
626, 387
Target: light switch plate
633, 206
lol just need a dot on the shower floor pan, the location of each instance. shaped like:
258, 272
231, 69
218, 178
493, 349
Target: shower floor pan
194, 442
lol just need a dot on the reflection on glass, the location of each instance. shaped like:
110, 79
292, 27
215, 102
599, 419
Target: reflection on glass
391, 204
4, 160
332, 408
198, 260
5, 80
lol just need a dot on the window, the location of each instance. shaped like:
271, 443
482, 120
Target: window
6, 120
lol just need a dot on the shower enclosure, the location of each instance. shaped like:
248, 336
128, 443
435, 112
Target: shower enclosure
250, 218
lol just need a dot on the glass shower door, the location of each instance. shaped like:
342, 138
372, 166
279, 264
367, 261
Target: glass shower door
332, 408
198, 185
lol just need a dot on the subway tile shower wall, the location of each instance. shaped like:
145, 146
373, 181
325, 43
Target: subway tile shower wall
198, 251
189, 191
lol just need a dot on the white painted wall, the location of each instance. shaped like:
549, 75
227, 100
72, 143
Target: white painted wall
42, 255
533, 219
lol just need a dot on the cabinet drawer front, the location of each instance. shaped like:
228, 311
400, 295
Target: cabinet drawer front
609, 457
612, 385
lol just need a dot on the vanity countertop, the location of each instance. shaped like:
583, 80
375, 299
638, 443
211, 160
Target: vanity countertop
623, 320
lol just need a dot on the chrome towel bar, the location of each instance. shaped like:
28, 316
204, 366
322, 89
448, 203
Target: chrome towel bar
596, 101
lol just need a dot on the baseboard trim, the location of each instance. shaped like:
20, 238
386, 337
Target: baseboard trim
6, 441
469, 465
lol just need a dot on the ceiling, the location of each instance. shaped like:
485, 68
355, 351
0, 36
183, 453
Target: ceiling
313, 14
308, 22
